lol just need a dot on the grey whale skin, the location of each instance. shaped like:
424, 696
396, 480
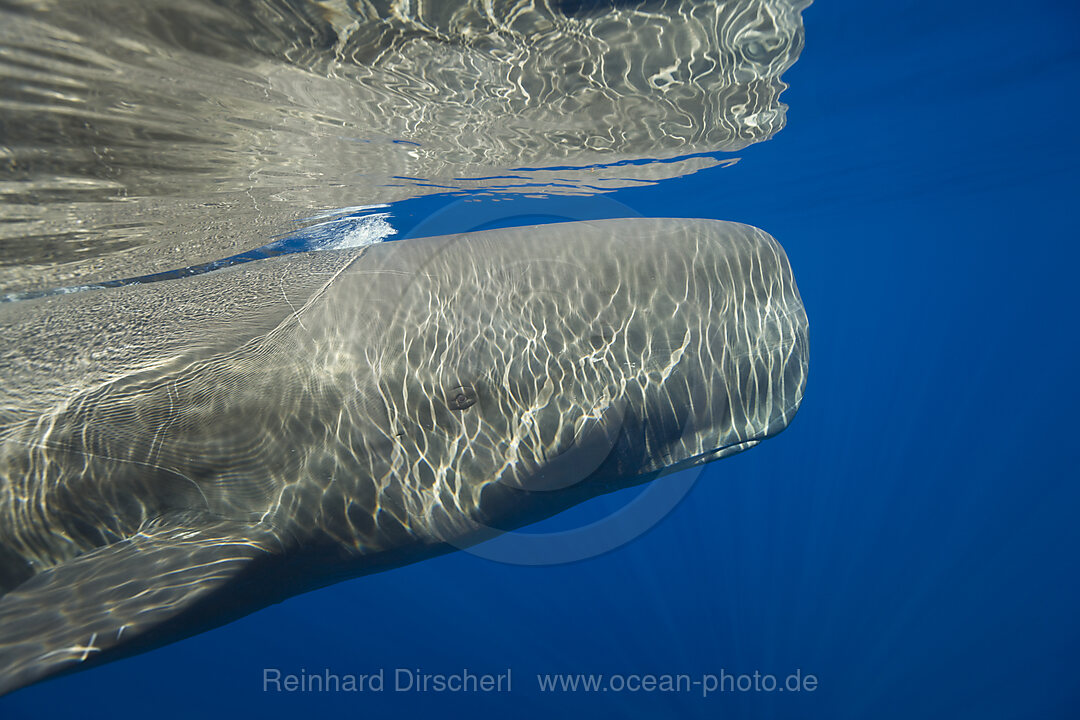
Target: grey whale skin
179, 454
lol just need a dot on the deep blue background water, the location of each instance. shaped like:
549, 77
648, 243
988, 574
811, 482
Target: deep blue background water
911, 540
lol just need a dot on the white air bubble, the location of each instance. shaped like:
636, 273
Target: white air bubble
365, 230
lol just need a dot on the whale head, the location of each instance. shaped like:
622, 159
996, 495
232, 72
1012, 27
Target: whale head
517, 372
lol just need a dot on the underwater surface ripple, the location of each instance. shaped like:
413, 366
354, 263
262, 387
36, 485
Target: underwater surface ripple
144, 137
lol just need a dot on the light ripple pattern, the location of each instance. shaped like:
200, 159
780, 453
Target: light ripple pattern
176, 454
138, 138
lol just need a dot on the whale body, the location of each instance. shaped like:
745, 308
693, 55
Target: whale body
178, 454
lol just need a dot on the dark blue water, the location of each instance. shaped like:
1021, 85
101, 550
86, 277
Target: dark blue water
911, 540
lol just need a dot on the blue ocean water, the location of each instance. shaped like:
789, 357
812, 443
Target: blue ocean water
910, 541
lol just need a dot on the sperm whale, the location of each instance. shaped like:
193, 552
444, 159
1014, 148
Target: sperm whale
178, 454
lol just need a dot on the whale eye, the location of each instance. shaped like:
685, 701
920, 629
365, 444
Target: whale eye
461, 397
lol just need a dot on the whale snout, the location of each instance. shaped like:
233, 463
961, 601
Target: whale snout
757, 347
791, 353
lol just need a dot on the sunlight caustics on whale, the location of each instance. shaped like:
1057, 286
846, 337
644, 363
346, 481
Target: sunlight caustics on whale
178, 454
